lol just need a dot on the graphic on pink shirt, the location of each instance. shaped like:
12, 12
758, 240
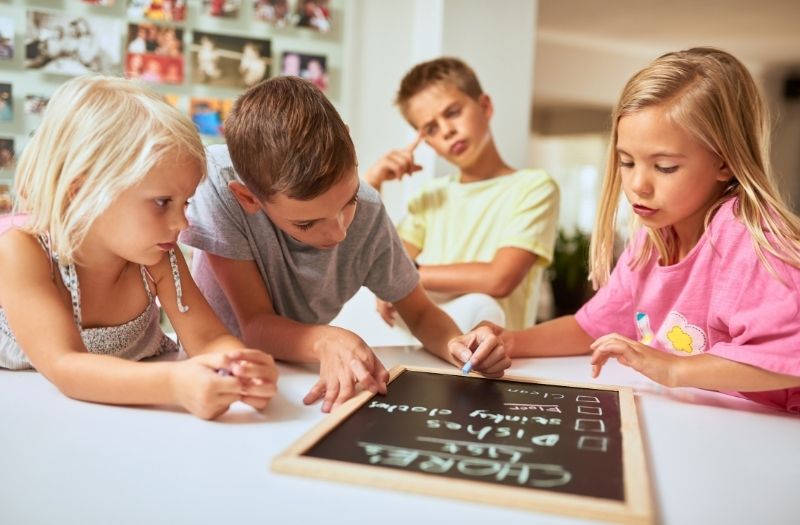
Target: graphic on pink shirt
681, 337
643, 327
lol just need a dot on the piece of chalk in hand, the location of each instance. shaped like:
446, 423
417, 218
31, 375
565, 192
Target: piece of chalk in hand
467, 368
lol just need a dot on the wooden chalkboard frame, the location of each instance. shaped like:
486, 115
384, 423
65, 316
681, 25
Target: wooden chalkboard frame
636, 508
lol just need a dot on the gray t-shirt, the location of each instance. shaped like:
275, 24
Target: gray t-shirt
305, 284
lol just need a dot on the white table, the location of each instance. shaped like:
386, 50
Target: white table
713, 459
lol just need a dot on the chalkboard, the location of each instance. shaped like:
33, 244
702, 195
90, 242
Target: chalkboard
555, 447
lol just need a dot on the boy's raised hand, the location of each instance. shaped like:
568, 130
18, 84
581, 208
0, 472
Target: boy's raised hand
345, 361
484, 347
199, 386
394, 165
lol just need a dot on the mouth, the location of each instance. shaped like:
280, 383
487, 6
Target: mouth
166, 246
458, 147
643, 211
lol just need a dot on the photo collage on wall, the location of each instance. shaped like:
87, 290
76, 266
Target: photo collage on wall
152, 41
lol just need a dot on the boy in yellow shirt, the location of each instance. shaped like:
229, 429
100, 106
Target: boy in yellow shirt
486, 229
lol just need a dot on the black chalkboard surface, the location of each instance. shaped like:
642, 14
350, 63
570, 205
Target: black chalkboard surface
554, 447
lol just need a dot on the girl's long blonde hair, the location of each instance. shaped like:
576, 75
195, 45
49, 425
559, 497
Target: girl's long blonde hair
99, 136
712, 96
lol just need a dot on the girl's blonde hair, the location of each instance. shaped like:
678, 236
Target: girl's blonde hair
712, 96
99, 136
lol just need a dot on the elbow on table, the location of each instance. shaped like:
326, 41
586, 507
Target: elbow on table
61, 375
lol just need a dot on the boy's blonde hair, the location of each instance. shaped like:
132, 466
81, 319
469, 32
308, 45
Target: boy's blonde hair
284, 136
99, 136
441, 71
712, 96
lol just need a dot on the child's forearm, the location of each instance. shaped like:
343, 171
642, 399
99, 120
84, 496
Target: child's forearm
286, 339
562, 336
461, 278
107, 379
223, 341
717, 373
434, 328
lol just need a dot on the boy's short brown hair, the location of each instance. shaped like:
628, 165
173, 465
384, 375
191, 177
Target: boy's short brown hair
444, 70
285, 136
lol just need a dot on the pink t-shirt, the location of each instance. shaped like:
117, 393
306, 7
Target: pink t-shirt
720, 299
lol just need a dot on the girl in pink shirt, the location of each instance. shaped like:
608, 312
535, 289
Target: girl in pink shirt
706, 294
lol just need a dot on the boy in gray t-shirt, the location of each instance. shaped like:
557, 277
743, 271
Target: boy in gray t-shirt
289, 234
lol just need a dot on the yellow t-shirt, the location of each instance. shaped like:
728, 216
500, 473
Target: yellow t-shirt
451, 222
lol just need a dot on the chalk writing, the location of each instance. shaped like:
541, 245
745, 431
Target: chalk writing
503, 418
534, 474
597, 443
545, 395
561, 438
527, 406
590, 425
406, 408
592, 411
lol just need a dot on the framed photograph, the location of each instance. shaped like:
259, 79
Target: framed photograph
158, 10
314, 14
224, 60
66, 44
6, 153
278, 13
6, 38
35, 104
209, 114
176, 101
222, 8
310, 67
6, 103
155, 54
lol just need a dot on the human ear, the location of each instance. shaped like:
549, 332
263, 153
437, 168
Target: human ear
248, 201
485, 102
725, 174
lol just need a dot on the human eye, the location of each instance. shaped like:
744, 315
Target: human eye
454, 111
304, 226
161, 202
429, 130
623, 163
353, 201
667, 169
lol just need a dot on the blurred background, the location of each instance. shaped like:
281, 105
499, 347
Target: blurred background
554, 68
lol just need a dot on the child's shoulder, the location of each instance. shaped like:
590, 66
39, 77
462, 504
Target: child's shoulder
726, 230
15, 238
218, 159
370, 204
733, 242
20, 250
533, 179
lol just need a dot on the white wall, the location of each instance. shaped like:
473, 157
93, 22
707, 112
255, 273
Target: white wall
388, 37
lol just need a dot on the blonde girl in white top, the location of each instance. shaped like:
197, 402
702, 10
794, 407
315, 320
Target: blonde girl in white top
103, 184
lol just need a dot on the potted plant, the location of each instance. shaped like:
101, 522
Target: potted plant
569, 273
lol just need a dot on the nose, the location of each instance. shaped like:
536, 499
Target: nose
181, 222
448, 130
338, 231
640, 182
